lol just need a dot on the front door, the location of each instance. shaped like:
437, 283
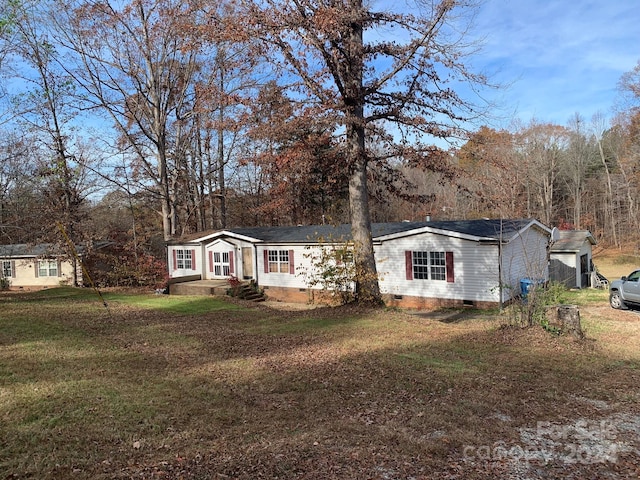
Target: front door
221, 264
247, 262
220, 260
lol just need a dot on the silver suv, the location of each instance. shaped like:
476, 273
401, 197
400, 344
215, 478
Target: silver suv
625, 291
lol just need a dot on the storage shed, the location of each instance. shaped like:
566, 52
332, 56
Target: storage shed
570, 258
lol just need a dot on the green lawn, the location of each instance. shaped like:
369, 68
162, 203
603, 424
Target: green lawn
194, 387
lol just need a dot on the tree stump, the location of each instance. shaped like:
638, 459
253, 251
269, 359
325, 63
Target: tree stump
566, 319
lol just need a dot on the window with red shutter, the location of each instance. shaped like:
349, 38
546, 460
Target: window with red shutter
435, 266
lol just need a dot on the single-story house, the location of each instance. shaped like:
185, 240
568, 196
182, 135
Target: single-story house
36, 266
571, 260
420, 264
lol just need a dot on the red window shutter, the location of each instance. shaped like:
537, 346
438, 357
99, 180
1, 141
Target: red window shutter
266, 261
449, 264
13, 269
232, 269
36, 264
175, 259
408, 264
292, 267
210, 261
193, 260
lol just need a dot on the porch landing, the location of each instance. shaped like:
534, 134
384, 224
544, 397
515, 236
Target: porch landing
199, 287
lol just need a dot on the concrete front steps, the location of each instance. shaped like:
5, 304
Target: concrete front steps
215, 287
247, 292
199, 287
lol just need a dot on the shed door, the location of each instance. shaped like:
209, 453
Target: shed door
584, 271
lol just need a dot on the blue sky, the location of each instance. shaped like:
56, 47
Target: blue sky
559, 56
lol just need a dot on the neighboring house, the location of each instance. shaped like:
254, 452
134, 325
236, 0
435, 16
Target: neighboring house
571, 258
420, 264
36, 266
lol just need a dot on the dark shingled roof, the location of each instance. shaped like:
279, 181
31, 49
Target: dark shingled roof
28, 250
43, 249
490, 229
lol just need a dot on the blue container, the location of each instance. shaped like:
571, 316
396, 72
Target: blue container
525, 286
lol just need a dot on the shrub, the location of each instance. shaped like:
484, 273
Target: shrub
121, 266
332, 269
531, 309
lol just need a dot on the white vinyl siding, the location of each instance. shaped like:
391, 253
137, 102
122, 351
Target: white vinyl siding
475, 265
184, 260
524, 257
297, 261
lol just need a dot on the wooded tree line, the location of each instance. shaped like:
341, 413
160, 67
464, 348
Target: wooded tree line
149, 119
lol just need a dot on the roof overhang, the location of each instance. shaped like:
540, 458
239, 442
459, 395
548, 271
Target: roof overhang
225, 234
464, 236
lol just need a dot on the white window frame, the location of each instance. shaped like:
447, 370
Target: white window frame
278, 261
7, 269
429, 265
184, 260
48, 268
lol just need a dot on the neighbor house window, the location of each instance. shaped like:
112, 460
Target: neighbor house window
47, 268
184, 259
422, 265
7, 270
278, 261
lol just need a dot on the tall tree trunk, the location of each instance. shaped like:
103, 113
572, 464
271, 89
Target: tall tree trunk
367, 287
221, 151
222, 196
165, 198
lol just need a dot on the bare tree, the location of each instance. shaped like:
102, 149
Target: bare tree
543, 146
46, 107
610, 221
136, 63
578, 160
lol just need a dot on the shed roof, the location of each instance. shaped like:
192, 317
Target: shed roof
572, 240
483, 229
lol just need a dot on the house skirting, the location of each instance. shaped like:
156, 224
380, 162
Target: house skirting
299, 295
307, 295
426, 303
